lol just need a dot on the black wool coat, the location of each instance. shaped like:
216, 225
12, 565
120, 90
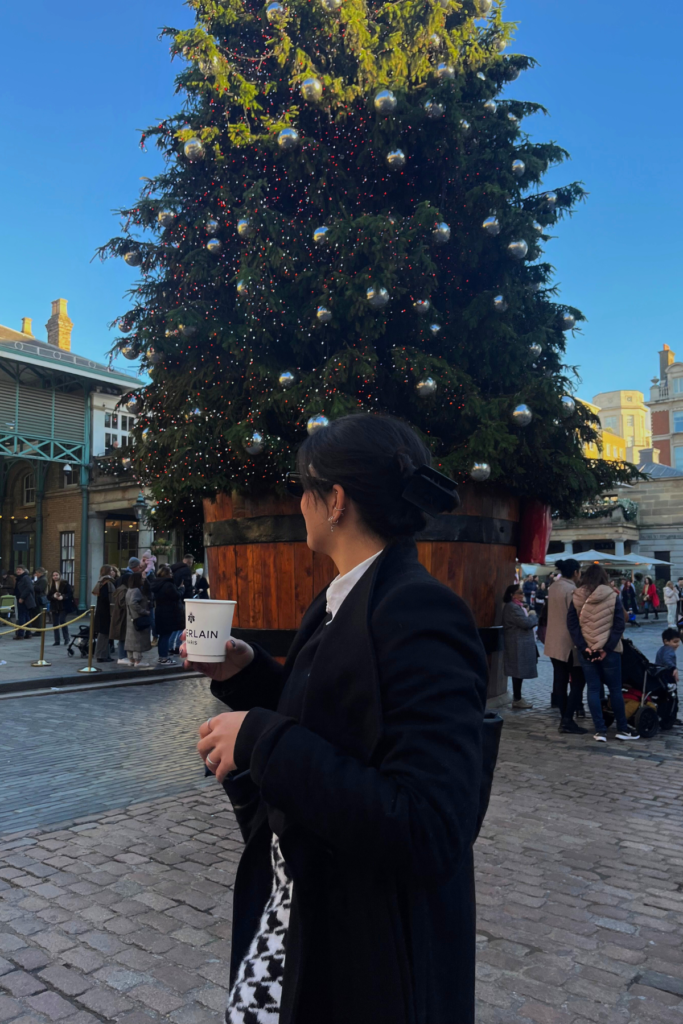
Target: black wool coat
374, 794
168, 610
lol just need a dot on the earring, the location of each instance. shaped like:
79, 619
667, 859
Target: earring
331, 519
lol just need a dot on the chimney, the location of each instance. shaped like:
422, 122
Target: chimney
648, 455
59, 326
666, 358
26, 322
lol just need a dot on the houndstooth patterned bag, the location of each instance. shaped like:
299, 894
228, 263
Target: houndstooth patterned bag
255, 996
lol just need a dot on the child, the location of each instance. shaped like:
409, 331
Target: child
666, 655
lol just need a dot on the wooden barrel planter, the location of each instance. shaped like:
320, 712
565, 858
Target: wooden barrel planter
257, 555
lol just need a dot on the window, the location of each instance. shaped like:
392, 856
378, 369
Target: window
67, 556
630, 442
107, 419
610, 423
678, 385
114, 421
28, 489
630, 422
124, 423
608, 450
663, 572
107, 442
120, 541
678, 458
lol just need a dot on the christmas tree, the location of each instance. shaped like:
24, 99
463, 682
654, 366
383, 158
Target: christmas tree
351, 217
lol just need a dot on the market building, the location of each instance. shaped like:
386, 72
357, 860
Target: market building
58, 412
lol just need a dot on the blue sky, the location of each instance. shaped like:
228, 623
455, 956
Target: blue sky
79, 79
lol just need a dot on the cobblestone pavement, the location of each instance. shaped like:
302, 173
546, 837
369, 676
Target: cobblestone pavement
70, 754
125, 916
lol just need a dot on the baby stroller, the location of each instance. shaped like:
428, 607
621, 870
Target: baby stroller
80, 642
650, 693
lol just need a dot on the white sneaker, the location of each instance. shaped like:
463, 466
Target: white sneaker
628, 736
523, 704
600, 737
124, 661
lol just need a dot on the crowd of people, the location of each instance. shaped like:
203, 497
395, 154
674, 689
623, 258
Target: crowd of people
137, 608
580, 618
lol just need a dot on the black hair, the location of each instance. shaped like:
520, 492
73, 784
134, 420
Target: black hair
372, 458
568, 566
671, 634
510, 592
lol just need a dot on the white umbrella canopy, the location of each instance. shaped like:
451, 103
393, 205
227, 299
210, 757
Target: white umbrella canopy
601, 556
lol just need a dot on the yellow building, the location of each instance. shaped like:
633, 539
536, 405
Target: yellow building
614, 446
624, 414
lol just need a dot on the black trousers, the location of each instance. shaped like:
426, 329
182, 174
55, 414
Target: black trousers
565, 674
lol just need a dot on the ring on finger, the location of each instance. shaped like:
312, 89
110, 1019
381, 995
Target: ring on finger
209, 721
214, 764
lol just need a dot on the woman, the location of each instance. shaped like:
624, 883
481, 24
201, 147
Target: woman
117, 628
671, 601
650, 597
520, 655
629, 601
596, 623
138, 640
40, 588
169, 615
560, 649
59, 596
104, 592
366, 778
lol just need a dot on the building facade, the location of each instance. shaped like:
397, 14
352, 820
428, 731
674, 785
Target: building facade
612, 446
666, 407
58, 410
626, 415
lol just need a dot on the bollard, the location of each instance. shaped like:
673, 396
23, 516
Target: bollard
41, 663
89, 667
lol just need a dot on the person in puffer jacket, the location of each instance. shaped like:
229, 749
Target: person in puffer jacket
595, 621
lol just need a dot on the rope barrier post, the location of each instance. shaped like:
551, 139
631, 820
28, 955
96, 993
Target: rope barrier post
41, 663
89, 667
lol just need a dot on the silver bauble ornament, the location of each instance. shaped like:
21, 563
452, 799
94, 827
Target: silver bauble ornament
214, 245
499, 304
286, 380
518, 168
434, 41
426, 387
188, 330
535, 349
317, 423
483, 7
245, 229
165, 218
433, 110
518, 249
323, 314
522, 416
321, 235
568, 322
153, 356
538, 228
385, 101
422, 306
396, 159
194, 150
275, 13
377, 297
499, 44
512, 73
311, 89
465, 125
514, 120
135, 405
492, 226
481, 75
550, 200
480, 472
254, 444
213, 226
534, 287
125, 462
132, 258
490, 106
441, 233
130, 352
288, 139
330, 5
242, 288
568, 406
445, 72
435, 328
171, 332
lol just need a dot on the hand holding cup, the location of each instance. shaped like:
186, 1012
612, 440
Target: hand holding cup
238, 655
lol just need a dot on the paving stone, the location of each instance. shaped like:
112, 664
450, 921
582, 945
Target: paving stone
70, 982
158, 997
51, 1005
119, 977
20, 983
105, 1001
9, 1008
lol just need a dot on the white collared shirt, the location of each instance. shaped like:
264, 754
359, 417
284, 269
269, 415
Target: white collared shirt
341, 586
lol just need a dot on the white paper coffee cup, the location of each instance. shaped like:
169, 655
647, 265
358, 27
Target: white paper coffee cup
207, 629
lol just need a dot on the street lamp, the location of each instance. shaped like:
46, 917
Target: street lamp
140, 507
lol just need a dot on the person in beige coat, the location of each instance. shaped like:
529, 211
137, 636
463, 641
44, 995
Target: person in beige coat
559, 647
596, 624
